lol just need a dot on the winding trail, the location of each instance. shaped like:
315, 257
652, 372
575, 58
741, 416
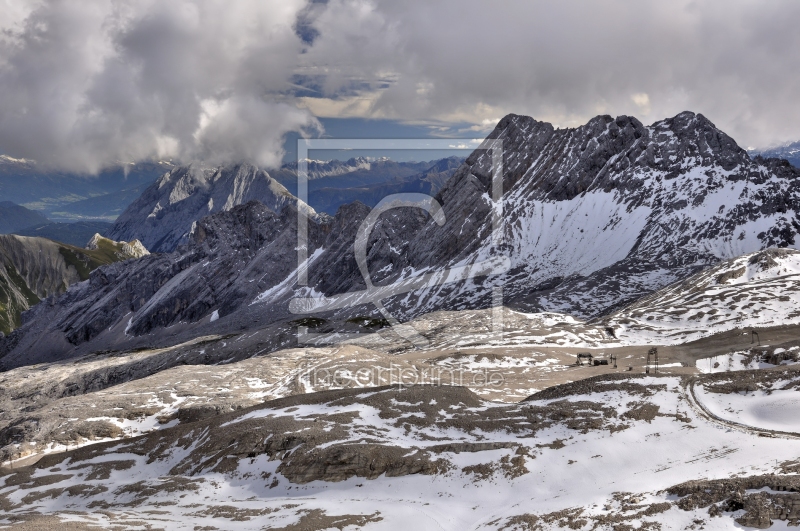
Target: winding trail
705, 413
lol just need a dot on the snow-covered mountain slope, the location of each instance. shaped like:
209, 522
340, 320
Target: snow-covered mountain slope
598, 216
755, 290
165, 214
593, 218
624, 452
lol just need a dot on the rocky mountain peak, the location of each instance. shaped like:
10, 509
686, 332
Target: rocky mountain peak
121, 250
695, 136
166, 213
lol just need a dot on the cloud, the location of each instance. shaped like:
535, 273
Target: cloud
85, 84
565, 61
88, 84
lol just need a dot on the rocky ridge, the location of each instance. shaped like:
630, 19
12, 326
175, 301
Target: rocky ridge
593, 218
166, 213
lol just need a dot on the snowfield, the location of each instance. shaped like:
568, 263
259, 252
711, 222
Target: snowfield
226, 386
754, 290
776, 410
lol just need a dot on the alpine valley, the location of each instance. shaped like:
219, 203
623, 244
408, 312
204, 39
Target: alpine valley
250, 371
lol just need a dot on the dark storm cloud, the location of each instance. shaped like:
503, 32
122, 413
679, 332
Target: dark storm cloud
85, 84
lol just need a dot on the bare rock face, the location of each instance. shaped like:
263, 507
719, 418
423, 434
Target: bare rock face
781, 500
166, 213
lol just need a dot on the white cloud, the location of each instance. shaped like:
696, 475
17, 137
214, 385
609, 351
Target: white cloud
85, 84
565, 61
642, 100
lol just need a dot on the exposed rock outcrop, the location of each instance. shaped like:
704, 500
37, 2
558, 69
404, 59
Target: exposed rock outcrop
32, 269
166, 213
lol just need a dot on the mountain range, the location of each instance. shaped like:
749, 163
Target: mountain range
60, 195
593, 218
604, 334
14, 217
789, 151
76, 233
68, 197
332, 184
166, 213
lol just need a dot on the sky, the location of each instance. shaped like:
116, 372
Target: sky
88, 84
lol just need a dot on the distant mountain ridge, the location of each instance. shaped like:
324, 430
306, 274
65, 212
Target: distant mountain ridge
66, 197
374, 169
76, 233
329, 198
104, 208
162, 216
789, 151
14, 217
58, 195
165, 214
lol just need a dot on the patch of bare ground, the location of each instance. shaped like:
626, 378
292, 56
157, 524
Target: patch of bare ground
762, 498
779, 378
42, 522
625, 517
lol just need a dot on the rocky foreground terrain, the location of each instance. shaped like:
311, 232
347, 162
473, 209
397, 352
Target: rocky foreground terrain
106, 395
476, 430
614, 451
